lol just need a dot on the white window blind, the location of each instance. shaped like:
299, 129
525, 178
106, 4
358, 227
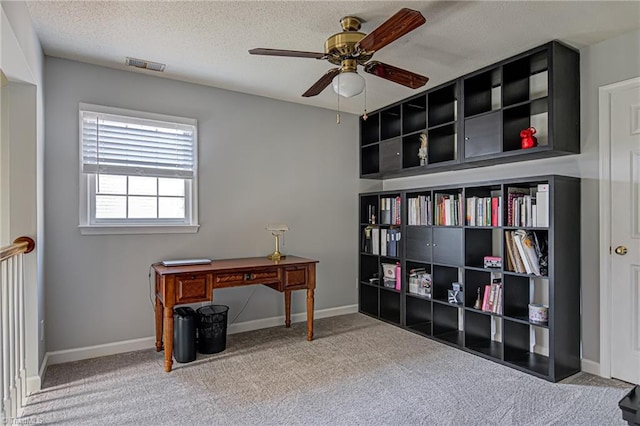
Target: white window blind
120, 145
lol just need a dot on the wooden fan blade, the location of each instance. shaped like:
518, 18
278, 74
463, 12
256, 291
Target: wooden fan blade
395, 74
401, 23
321, 84
289, 53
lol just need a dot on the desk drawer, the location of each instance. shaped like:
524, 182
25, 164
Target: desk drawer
232, 279
295, 277
193, 287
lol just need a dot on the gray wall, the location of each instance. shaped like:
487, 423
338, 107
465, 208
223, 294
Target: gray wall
607, 62
260, 161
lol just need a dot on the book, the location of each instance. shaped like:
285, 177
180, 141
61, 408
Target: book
511, 263
497, 301
485, 298
375, 241
513, 193
384, 241
517, 238
530, 250
542, 208
518, 263
494, 211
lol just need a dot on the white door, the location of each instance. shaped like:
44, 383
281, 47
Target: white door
624, 131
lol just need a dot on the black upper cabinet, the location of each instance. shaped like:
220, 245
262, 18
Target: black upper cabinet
476, 120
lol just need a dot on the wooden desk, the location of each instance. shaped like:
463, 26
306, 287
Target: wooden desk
177, 285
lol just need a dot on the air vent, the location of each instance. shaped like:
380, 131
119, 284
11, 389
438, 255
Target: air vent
145, 65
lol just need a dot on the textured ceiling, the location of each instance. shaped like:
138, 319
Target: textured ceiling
207, 42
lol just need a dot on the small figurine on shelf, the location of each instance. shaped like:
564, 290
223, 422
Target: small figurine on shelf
528, 140
478, 304
422, 152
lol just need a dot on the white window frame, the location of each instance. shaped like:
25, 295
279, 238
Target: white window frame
90, 226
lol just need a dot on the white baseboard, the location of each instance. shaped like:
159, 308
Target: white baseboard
77, 354
34, 383
591, 367
300, 317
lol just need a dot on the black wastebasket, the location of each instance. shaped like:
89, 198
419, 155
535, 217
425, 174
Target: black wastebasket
184, 334
212, 328
630, 406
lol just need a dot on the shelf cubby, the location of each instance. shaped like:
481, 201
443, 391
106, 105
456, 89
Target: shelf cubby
483, 205
369, 268
517, 76
517, 349
480, 335
414, 114
481, 242
370, 129
390, 305
522, 117
369, 300
474, 280
442, 144
410, 147
442, 105
365, 209
446, 324
442, 278
418, 315
370, 160
481, 92
390, 122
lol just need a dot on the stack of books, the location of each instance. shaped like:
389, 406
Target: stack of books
525, 252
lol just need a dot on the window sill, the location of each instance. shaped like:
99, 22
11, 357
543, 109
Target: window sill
137, 229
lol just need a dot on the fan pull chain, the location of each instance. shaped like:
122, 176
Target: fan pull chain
338, 112
365, 116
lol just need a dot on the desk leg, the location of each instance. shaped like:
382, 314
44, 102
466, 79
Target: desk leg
310, 314
168, 338
158, 324
287, 308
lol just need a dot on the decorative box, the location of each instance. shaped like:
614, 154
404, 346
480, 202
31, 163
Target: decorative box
492, 262
389, 271
390, 282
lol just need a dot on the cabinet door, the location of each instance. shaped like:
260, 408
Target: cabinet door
447, 246
482, 135
418, 243
390, 157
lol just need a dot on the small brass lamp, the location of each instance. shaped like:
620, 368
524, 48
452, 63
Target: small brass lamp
276, 231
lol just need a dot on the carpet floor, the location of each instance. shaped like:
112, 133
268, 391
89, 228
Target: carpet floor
357, 371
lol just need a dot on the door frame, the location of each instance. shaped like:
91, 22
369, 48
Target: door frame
604, 124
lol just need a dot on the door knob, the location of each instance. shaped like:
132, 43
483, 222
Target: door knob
621, 250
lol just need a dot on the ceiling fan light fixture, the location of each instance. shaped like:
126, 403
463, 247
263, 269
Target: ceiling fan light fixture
348, 84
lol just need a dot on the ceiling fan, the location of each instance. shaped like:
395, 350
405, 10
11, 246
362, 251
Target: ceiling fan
351, 48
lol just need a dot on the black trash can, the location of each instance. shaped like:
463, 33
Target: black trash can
212, 328
184, 334
630, 406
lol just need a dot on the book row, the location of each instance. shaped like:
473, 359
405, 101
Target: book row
526, 207
484, 211
419, 210
526, 252
381, 241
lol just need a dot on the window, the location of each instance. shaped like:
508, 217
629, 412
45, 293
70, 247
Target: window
138, 172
